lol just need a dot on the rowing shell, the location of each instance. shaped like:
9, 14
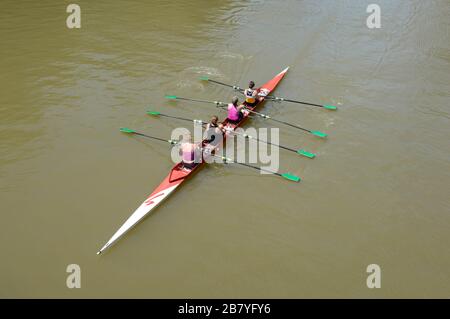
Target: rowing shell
178, 174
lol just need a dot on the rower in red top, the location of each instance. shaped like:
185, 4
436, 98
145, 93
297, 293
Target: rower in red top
235, 111
251, 94
188, 151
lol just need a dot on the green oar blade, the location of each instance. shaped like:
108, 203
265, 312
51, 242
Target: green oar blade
319, 134
204, 78
126, 130
153, 113
291, 177
171, 97
330, 107
306, 153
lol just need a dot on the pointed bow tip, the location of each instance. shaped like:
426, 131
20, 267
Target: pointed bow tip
99, 252
285, 70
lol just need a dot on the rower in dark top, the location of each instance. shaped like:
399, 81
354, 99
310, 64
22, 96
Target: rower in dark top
213, 129
214, 135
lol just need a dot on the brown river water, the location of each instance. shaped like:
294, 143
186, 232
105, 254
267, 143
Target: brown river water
377, 192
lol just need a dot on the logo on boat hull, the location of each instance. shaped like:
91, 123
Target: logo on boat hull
154, 200
150, 201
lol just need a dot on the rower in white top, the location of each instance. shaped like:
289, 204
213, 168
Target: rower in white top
252, 95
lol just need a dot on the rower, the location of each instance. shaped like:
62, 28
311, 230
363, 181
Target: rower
251, 95
213, 129
214, 136
235, 114
188, 151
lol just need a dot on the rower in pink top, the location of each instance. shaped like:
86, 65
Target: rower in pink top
235, 112
188, 151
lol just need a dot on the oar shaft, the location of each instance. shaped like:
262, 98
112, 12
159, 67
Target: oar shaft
237, 88
305, 103
275, 98
263, 141
279, 121
291, 125
231, 131
149, 136
301, 152
257, 168
194, 100
181, 118
223, 105
224, 159
227, 160
130, 131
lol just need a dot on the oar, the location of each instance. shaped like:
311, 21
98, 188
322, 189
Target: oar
300, 152
234, 87
155, 113
222, 104
328, 107
280, 99
173, 142
130, 131
287, 176
174, 97
316, 133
